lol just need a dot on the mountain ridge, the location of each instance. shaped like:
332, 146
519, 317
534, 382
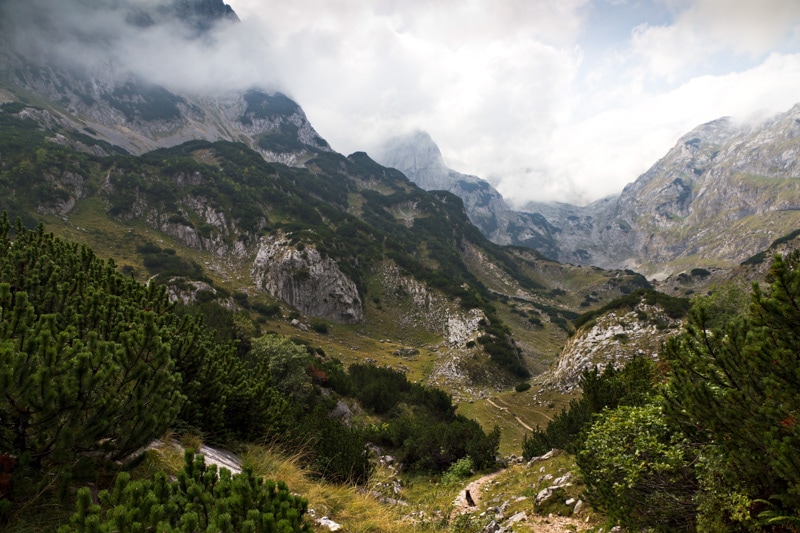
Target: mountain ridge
705, 203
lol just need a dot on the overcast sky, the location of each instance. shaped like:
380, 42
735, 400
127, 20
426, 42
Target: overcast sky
564, 100
547, 99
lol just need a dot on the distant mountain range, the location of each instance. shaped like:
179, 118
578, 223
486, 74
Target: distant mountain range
724, 192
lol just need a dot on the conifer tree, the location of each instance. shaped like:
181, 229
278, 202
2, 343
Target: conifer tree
202, 498
86, 354
735, 390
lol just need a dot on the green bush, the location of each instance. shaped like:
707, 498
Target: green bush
320, 326
338, 452
522, 386
200, 499
637, 473
459, 470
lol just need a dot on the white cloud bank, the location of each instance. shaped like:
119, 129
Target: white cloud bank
563, 100
526, 93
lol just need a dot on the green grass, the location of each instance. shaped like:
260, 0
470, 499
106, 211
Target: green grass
509, 410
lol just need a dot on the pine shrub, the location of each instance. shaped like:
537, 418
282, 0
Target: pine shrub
201, 499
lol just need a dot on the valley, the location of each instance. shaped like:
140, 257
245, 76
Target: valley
378, 333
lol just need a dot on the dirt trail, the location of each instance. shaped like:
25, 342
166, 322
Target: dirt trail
460, 504
518, 419
535, 523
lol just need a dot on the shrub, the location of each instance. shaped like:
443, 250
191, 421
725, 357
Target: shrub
522, 386
201, 499
461, 469
86, 354
636, 473
320, 326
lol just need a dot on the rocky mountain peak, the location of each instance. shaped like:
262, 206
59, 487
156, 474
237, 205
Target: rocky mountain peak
199, 15
419, 158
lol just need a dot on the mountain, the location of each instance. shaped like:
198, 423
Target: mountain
113, 101
720, 195
417, 156
233, 197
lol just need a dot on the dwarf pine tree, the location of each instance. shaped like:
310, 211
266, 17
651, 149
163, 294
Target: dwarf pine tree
86, 354
202, 498
735, 390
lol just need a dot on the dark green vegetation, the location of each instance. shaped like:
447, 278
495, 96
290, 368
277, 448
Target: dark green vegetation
608, 389
709, 443
94, 365
341, 205
84, 357
734, 391
423, 428
200, 499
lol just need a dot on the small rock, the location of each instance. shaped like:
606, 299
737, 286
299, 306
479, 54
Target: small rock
563, 480
578, 507
544, 495
299, 325
491, 527
327, 522
569, 501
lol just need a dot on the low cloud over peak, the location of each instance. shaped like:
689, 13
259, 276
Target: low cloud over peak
560, 101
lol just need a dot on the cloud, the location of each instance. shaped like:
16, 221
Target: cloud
515, 93
566, 100
709, 30
598, 156
162, 44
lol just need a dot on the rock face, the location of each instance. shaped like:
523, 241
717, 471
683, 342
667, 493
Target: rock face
99, 94
302, 278
613, 339
428, 308
724, 192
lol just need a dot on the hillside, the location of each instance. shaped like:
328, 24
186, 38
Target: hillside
343, 240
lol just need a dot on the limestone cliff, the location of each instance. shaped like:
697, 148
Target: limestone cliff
720, 195
300, 276
612, 339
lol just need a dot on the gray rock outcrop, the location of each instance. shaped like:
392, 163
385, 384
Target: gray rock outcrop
304, 279
724, 192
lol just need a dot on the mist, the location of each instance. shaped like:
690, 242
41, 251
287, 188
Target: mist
140, 37
549, 101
